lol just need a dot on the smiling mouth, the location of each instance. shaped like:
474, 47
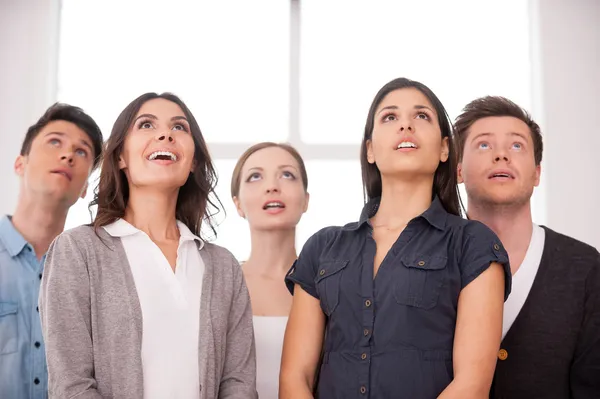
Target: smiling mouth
273, 205
163, 156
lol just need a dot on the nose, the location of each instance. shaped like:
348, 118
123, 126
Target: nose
68, 158
166, 137
273, 186
406, 126
501, 155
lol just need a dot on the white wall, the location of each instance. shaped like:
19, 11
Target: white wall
566, 99
569, 59
28, 48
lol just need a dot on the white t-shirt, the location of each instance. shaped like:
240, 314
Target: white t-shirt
523, 279
170, 303
268, 334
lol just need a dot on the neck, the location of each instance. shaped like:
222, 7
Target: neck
39, 221
153, 212
402, 201
272, 252
512, 224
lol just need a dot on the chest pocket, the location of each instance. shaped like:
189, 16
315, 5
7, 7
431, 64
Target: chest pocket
328, 281
420, 279
8, 328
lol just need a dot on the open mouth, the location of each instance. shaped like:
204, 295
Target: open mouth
274, 205
162, 156
501, 175
406, 145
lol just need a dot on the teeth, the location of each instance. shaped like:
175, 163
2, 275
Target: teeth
501, 175
156, 154
274, 205
407, 144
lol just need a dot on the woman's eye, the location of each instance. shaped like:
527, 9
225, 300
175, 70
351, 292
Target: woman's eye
146, 125
484, 146
422, 115
288, 175
517, 146
389, 118
254, 177
180, 127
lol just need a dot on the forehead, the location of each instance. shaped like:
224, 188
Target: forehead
64, 128
408, 98
271, 157
500, 126
160, 108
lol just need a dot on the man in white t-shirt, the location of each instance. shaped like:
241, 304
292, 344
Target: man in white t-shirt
551, 331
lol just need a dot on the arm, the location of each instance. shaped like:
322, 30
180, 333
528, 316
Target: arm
64, 304
301, 347
477, 336
238, 379
585, 369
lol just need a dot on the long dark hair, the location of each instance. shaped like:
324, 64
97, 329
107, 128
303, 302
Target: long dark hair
194, 202
445, 184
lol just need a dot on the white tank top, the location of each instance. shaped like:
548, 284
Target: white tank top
268, 334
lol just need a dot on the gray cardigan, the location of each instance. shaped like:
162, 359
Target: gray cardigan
92, 322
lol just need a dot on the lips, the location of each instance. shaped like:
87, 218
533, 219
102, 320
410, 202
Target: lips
501, 174
407, 143
273, 204
65, 172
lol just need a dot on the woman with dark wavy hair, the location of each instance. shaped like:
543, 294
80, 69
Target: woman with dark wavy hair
411, 295
138, 305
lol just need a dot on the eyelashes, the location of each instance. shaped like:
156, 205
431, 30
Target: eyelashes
149, 124
391, 116
257, 176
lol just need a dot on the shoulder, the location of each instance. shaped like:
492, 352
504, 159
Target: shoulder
82, 236
219, 255
569, 245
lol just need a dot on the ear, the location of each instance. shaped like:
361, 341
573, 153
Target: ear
370, 155
445, 150
122, 164
538, 174
459, 176
194, 164
84, 191
238, 207
20, 165
306, 201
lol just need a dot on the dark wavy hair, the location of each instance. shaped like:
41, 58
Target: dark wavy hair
445, 184
197, 200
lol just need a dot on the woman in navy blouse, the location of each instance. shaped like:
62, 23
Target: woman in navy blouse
406, 302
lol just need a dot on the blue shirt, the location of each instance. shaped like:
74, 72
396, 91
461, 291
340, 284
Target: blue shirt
23, 371
391, 336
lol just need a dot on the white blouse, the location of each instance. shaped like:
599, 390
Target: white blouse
170, 303
268, 333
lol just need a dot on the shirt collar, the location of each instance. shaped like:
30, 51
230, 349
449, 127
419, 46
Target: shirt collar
9, 236
435, 215
122, 228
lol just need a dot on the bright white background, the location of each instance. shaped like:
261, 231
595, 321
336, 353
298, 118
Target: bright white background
305, 72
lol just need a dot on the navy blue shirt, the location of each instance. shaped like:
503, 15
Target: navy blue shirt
392, 336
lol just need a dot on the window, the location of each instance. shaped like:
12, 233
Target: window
303, 71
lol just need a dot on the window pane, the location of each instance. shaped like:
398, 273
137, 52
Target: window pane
461, 49
228, 60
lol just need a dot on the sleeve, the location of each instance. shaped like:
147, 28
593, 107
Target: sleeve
238, 380
481, 247
64, 304
585, 369
304, 269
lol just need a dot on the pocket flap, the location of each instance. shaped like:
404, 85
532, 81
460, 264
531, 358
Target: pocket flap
425, 262
328, 268
7, 308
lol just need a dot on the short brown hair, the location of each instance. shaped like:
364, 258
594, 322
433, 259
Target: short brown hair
495, 106
236, 177
67, 113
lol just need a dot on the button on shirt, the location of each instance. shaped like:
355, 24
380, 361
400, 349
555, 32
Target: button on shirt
23, 372
392, 336
170, 303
